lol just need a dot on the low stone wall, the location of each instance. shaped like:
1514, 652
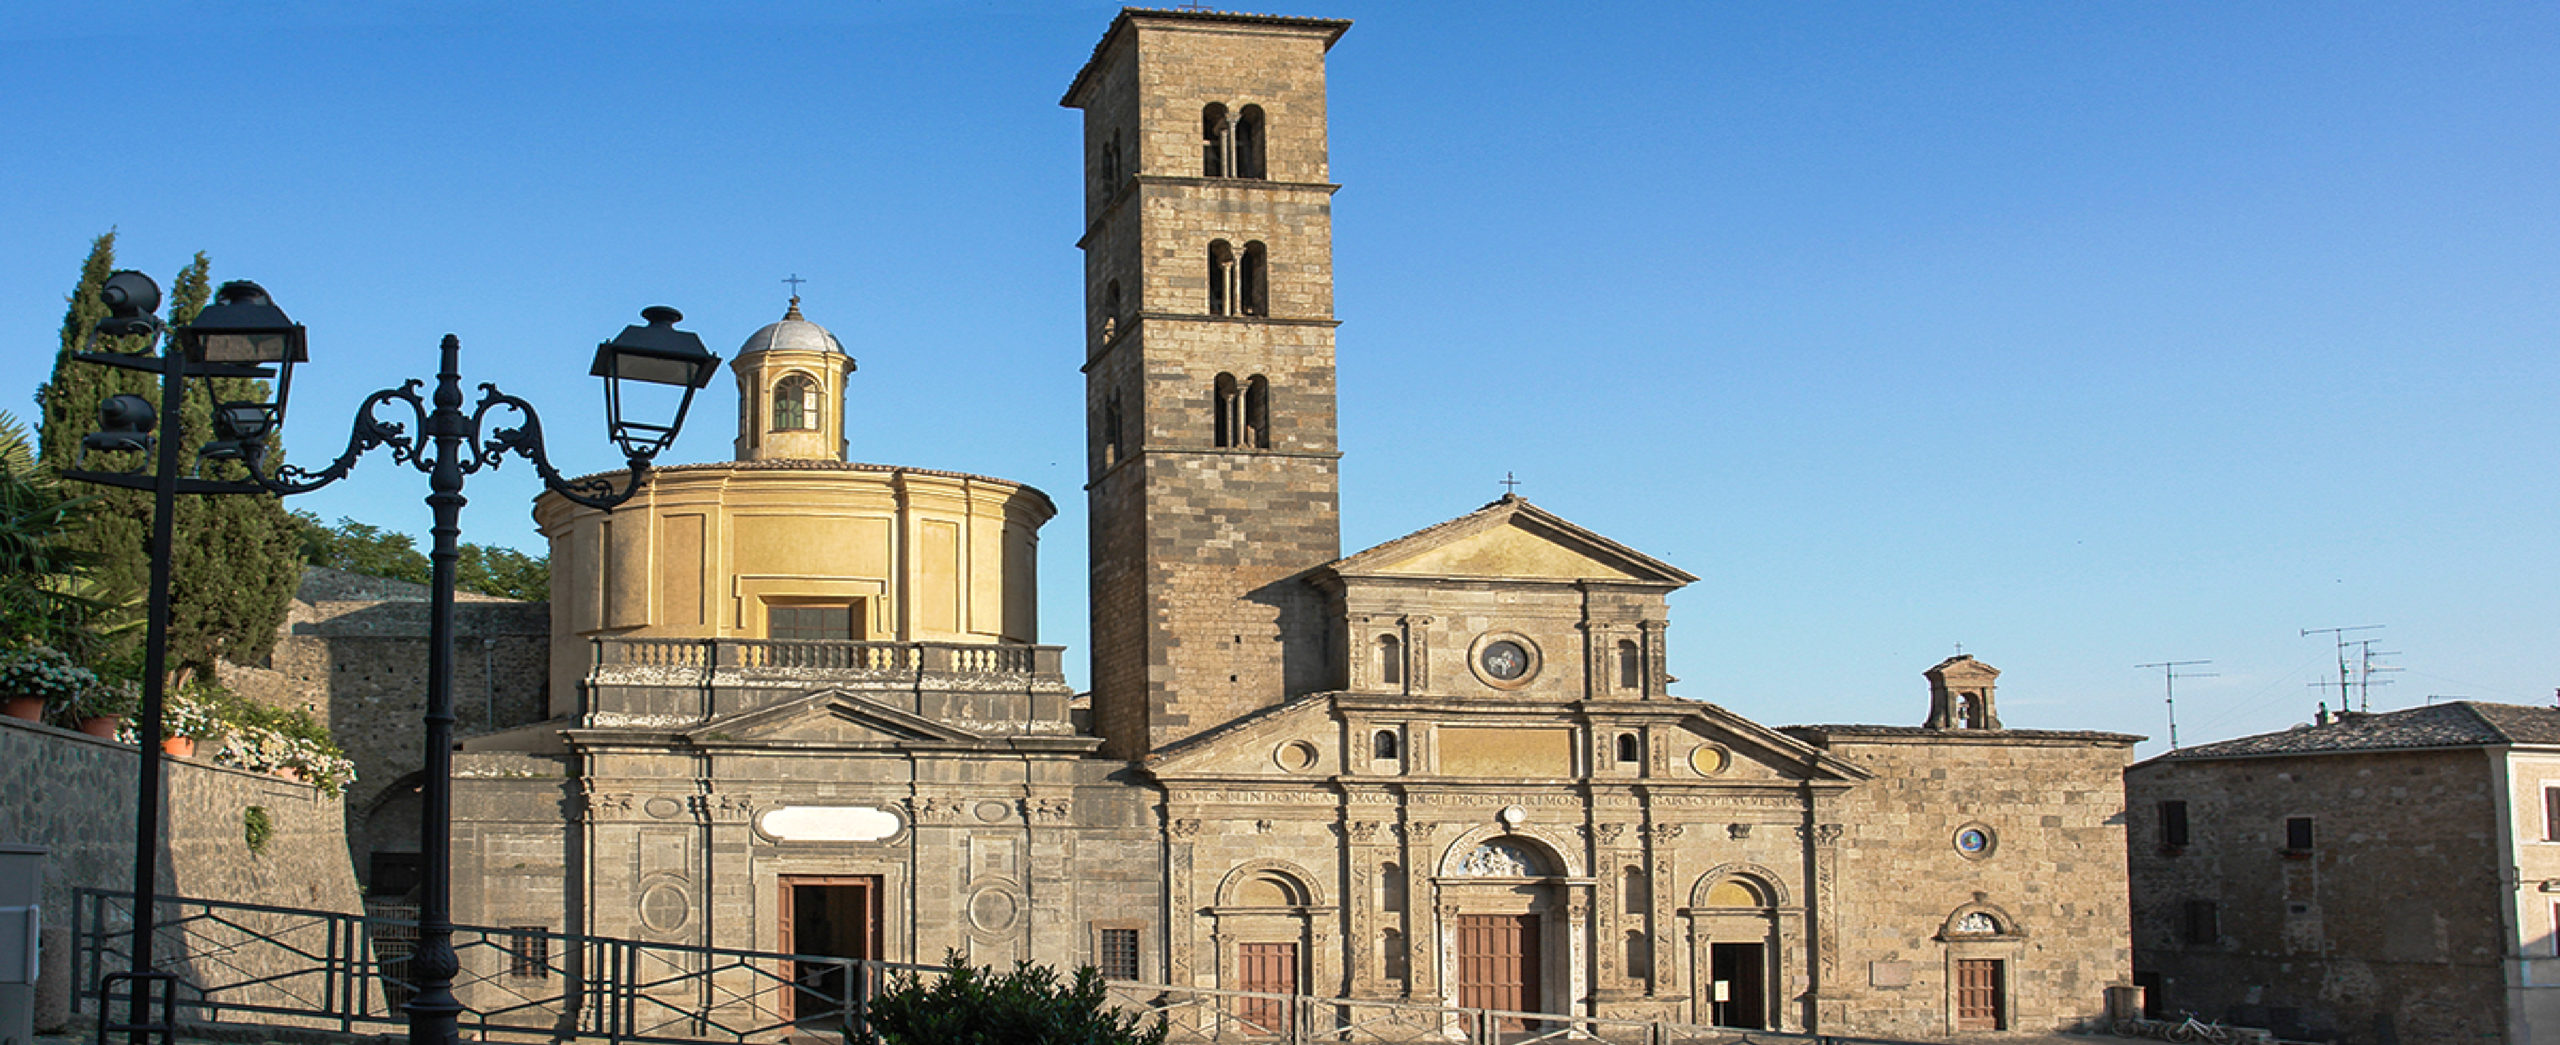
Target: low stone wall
75, 795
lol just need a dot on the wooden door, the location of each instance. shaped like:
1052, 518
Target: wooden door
1498, 963
1978, 994
1740, 985
834, 916
1270, 968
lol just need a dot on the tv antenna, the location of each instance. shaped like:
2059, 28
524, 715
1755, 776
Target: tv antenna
2364, 674
2169, 676
2343, 643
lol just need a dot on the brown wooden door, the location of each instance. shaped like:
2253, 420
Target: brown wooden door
1270, 968
1978, 994
834, 916
1498, 963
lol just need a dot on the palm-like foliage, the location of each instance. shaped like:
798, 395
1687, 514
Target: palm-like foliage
44, 596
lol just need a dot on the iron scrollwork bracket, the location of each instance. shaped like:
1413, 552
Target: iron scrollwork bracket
368, 433
525, 441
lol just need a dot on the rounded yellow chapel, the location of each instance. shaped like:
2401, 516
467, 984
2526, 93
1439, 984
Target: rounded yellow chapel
791, 544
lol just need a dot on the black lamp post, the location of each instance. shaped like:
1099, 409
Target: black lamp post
126, 425
245, 331
452, 444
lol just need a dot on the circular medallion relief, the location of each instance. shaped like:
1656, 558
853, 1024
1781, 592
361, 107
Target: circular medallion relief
1504, 660
1710, 759
664, 907
663, 808
994, 909
990, 812
1975, 841
1296, 756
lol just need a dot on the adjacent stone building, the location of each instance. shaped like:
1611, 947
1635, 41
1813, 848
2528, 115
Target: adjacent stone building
799, 703
2372, 878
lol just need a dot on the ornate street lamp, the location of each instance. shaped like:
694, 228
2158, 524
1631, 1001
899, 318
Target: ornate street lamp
244, 334
127, 425
449, 445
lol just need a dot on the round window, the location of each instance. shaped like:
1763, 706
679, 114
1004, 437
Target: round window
1504, 660
1975, 841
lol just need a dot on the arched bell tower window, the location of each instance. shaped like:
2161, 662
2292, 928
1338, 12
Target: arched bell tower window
1112, 447
1383, 746
1217, 142
1227, 410
1629, 748
1253, 281
1257, 412
1390, 660
1224, 294
795, 403
1630, 666
1248, 138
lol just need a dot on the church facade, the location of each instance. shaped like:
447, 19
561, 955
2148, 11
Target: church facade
799, 703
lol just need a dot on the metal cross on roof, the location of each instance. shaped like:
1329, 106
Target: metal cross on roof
1509, 484
795, 282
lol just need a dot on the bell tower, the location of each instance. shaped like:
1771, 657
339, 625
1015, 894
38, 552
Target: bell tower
1210, 453
791, 383
1960, 690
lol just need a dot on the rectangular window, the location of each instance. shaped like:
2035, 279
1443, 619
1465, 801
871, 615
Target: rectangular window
2173, 823
2297, 834
809, 622
2204, 922
2551, 814
529, 953
1119, 954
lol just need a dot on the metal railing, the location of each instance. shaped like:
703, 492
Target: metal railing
283, 966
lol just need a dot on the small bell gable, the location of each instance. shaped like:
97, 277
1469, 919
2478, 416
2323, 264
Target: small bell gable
1960, 690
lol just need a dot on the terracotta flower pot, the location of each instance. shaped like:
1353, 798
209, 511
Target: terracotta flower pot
183, 747
23, 707
103, 726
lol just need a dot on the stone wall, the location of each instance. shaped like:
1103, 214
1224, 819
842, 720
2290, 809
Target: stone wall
74, 794
2049, 880
355, 655
2387, 930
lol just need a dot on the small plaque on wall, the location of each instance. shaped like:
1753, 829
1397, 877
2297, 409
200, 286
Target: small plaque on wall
1889, 974
828, 824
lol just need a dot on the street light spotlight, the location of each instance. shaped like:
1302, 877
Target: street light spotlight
240, 431
656, 354
243, 326
131, 298
124, 426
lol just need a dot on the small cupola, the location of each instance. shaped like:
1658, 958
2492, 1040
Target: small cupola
1960, 694
791, 385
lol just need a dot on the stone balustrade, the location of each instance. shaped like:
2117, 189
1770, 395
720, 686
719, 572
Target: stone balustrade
635, 660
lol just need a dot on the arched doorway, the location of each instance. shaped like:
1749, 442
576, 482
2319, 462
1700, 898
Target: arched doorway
1262, 927
1739, 927
1511, 930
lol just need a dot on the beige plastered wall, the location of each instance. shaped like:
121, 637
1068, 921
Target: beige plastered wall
704, 550
2533, 910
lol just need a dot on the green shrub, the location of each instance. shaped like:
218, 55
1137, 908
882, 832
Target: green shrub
256, 828
1028, 1006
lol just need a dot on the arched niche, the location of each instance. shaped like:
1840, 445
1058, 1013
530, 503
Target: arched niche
1549, 852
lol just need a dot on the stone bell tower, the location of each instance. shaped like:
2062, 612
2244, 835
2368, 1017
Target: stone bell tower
1211, 452
791, 383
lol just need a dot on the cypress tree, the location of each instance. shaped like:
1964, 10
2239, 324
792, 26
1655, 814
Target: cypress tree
236, 559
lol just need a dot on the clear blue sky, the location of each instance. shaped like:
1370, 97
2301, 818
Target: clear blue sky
2084, 335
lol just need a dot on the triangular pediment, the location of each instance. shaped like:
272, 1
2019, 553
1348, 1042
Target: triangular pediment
831, 716
1717, 743
1511, 539
1254, 745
